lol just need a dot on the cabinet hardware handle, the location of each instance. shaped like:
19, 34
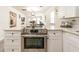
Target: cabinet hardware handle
54, 33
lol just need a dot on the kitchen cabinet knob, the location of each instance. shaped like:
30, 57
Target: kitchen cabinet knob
54, 39
12, 50
12, 33
54, 33
12, 40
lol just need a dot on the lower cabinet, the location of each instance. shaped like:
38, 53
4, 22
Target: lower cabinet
12, 41
54, 42
70, 42
58, 41
62, 41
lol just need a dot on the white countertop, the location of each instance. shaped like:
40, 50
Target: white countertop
72, 32
58, 29
65, 30
16, 29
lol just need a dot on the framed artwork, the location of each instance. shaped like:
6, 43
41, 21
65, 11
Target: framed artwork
22, 20
13, 18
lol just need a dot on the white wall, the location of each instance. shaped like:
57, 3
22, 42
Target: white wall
48, 16
18, 22
5, 19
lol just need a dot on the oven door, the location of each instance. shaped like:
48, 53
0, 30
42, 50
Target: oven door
34, 44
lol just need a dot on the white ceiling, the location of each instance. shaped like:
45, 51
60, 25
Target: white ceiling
23, 9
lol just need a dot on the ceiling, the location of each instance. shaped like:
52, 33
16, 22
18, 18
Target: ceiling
23, 9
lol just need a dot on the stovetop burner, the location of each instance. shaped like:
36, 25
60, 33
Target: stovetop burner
34, 31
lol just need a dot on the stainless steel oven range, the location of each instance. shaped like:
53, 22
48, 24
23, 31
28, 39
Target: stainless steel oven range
34, 40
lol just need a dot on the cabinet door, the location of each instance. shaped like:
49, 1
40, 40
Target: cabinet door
51, 45
54, 41
12, 45
70, 11
70, 42
66, 11
54, 45
60, 12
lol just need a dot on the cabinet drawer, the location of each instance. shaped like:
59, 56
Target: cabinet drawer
55, 34
13, 37
11, 34
9, 49
12, 42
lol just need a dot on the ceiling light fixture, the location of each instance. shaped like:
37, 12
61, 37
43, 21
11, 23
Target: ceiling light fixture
23, 9
33, 8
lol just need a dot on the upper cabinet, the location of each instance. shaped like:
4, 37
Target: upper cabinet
67, 11
60, 12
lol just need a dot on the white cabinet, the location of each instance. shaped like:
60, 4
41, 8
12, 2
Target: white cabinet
68, 11
60, 12
70, 42
54, 43
12, 41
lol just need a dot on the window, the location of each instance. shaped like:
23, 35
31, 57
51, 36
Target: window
39, 18
52, 20
52, 17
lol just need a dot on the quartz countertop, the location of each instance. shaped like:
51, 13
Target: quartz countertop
72, 32
57, 29
54, 29
65, 30
16, 29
